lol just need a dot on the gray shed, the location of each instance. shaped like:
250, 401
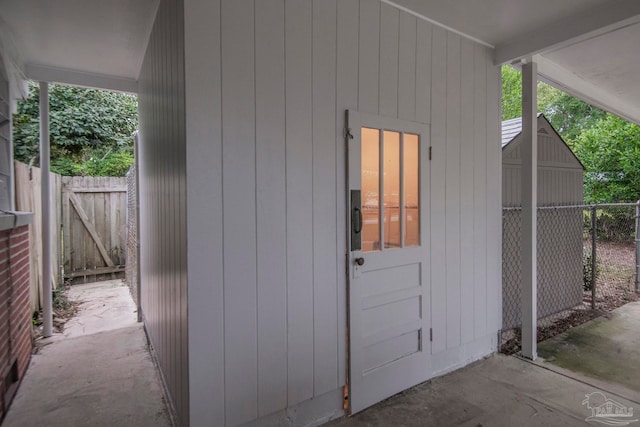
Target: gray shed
560, 183
560, 173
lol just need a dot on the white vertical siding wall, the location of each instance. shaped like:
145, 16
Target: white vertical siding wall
271, 195
267, 85
163, 202
465, 201
205, 212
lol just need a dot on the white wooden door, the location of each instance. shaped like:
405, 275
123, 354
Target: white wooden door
389, 339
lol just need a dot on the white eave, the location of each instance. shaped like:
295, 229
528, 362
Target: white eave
81, 42
589, 48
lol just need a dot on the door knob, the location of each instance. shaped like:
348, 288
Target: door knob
360, 261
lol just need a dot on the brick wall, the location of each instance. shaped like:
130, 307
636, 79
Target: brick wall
15, 312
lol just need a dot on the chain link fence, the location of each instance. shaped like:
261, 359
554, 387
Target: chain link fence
131, 272
586, 266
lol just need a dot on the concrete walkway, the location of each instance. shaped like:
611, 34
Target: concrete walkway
97, 373
498, 391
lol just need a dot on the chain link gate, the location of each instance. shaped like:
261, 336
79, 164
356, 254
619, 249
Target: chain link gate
131, 273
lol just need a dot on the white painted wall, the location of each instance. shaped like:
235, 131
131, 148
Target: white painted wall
267, 85
465, 219
163, 239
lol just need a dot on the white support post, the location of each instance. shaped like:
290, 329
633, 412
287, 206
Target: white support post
136, 157
528, 249
637, 248
47, 312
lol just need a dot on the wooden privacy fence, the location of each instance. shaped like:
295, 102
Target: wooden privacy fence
88, 226
28, 190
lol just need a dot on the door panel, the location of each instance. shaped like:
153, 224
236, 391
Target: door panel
389, 272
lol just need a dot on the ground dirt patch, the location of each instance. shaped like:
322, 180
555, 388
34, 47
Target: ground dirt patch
63, 310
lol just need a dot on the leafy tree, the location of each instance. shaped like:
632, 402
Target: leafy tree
570, 116
567, 114
511, 93
610, 152
91, 131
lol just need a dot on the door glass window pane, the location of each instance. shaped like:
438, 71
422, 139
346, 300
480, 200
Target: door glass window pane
391, 205
370, 177
411, 174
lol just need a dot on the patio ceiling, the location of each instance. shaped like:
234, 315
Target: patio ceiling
590, 48
602, 70
82, 42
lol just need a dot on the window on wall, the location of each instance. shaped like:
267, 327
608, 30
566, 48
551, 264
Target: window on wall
5, 141
390, 180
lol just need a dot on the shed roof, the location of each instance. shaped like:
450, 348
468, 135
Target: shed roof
512, 128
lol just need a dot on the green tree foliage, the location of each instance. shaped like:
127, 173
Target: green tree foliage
608, 146
91, 131
511, 93
567, 114
610, 151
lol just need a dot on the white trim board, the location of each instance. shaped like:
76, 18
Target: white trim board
439, 24
43, 73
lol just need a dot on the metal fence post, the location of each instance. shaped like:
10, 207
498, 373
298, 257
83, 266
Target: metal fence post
638, 246
594, 233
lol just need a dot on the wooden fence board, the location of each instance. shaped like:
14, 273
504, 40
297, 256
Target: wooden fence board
75, 254
91, 228
28, 190
97, 271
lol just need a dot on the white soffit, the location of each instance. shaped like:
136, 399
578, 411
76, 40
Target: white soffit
496, 22
604, 68
589, 48
98, 43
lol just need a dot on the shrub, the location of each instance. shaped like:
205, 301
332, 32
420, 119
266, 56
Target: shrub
587, 268
616, 224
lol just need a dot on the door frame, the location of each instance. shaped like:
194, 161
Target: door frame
354, 121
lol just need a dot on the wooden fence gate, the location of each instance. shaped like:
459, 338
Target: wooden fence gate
94, 211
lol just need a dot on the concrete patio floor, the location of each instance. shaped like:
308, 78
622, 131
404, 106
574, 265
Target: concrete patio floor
606, 349
98, 372
497, 391
600, 356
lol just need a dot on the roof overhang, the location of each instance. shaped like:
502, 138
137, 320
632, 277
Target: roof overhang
589, 48
593, 55
79, 42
